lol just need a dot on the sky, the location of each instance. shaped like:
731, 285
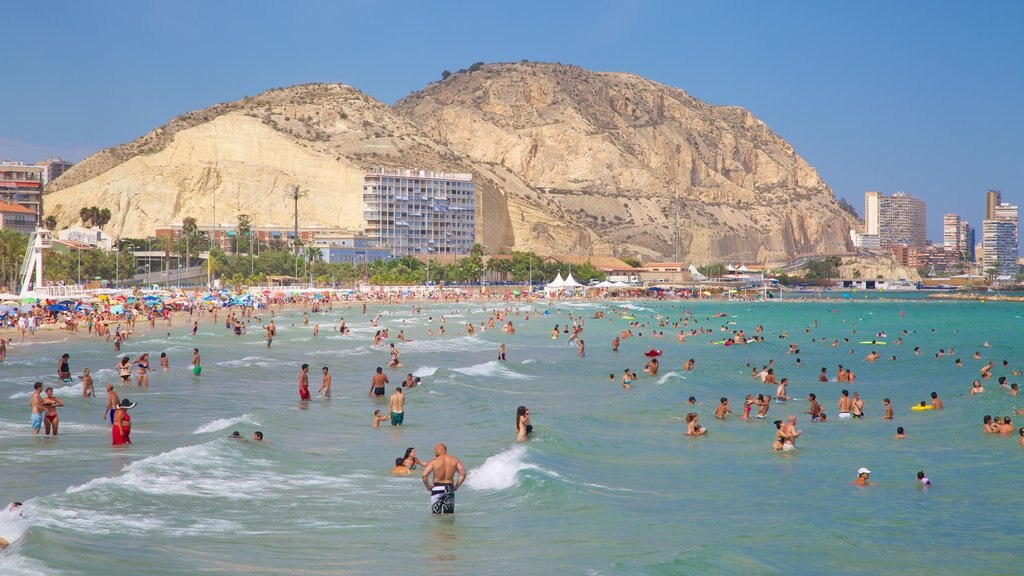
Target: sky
914, 96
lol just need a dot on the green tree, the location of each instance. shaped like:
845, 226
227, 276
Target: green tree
632, 261
50, 222
12, 253
715, 270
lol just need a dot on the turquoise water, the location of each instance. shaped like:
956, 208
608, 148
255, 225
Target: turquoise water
607, 485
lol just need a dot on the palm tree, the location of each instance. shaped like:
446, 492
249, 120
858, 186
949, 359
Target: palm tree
12, 252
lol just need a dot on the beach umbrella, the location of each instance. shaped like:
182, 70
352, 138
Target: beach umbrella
5, 308
117, 309
29, 300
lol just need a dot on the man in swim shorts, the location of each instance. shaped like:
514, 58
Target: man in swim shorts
845, 406
197, 367
444, 467
112, 401
36, 403
397, 406
304, 382
377, 383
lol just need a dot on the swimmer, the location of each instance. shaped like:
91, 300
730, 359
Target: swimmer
723, 409
845, 406
692, 427
378, 418
690, 364
400, 468
652, 367
325, 386
815, 410
394, 363
396, 405
888, 409
900, 434
922, 479
523, 426
377, 383
627, 378
50, 404
87, 384
304, 382
976, 388
862, 477
936, 403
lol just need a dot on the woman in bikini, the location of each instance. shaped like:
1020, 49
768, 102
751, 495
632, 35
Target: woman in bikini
410, 460
142, 370
124, 371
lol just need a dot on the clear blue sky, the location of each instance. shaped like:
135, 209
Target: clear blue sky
918, 96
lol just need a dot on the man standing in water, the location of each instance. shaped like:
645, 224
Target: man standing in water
377, 383
304, 382
197, 367
325, 387
36, 403
112, 401
444, 467
397, 406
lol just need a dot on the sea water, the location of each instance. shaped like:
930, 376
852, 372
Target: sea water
608, 484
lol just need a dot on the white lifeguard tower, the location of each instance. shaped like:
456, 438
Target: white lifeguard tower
40, 240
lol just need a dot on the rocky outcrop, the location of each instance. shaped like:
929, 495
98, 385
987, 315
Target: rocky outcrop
566, 161
623, 154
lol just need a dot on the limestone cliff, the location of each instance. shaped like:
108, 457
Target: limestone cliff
244, 157
622, 153
566, 161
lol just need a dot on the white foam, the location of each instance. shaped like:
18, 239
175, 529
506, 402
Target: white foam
202, 470
424, 371
69, 390
669, 375
260, 361
222, 423
499, 472
493, 369
16, 565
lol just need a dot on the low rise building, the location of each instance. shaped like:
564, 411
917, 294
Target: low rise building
17, 217
22, 184
90, 236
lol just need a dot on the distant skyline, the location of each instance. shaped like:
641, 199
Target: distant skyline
912, 96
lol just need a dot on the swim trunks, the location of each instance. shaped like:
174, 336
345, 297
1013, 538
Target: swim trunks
197, 370
303, 393
442, 499
37, 421
378, 391
397, 418
845, 415
112, 415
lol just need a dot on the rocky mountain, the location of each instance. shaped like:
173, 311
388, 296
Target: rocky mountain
566, 161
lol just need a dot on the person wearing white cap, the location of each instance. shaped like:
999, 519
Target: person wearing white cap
862, 477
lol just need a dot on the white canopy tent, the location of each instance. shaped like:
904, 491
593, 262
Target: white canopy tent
558, 282
571, 282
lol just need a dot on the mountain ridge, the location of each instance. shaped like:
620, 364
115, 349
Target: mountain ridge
566, 161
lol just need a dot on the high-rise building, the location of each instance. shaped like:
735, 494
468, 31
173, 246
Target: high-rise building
22, 184
957, 235
420, 212
55, 166
992, 199
871, 199
1008, 213
968, 240
999, 247
901, 221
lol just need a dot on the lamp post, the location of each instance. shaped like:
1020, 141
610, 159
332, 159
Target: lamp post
117, 264
131, 248
79, 264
